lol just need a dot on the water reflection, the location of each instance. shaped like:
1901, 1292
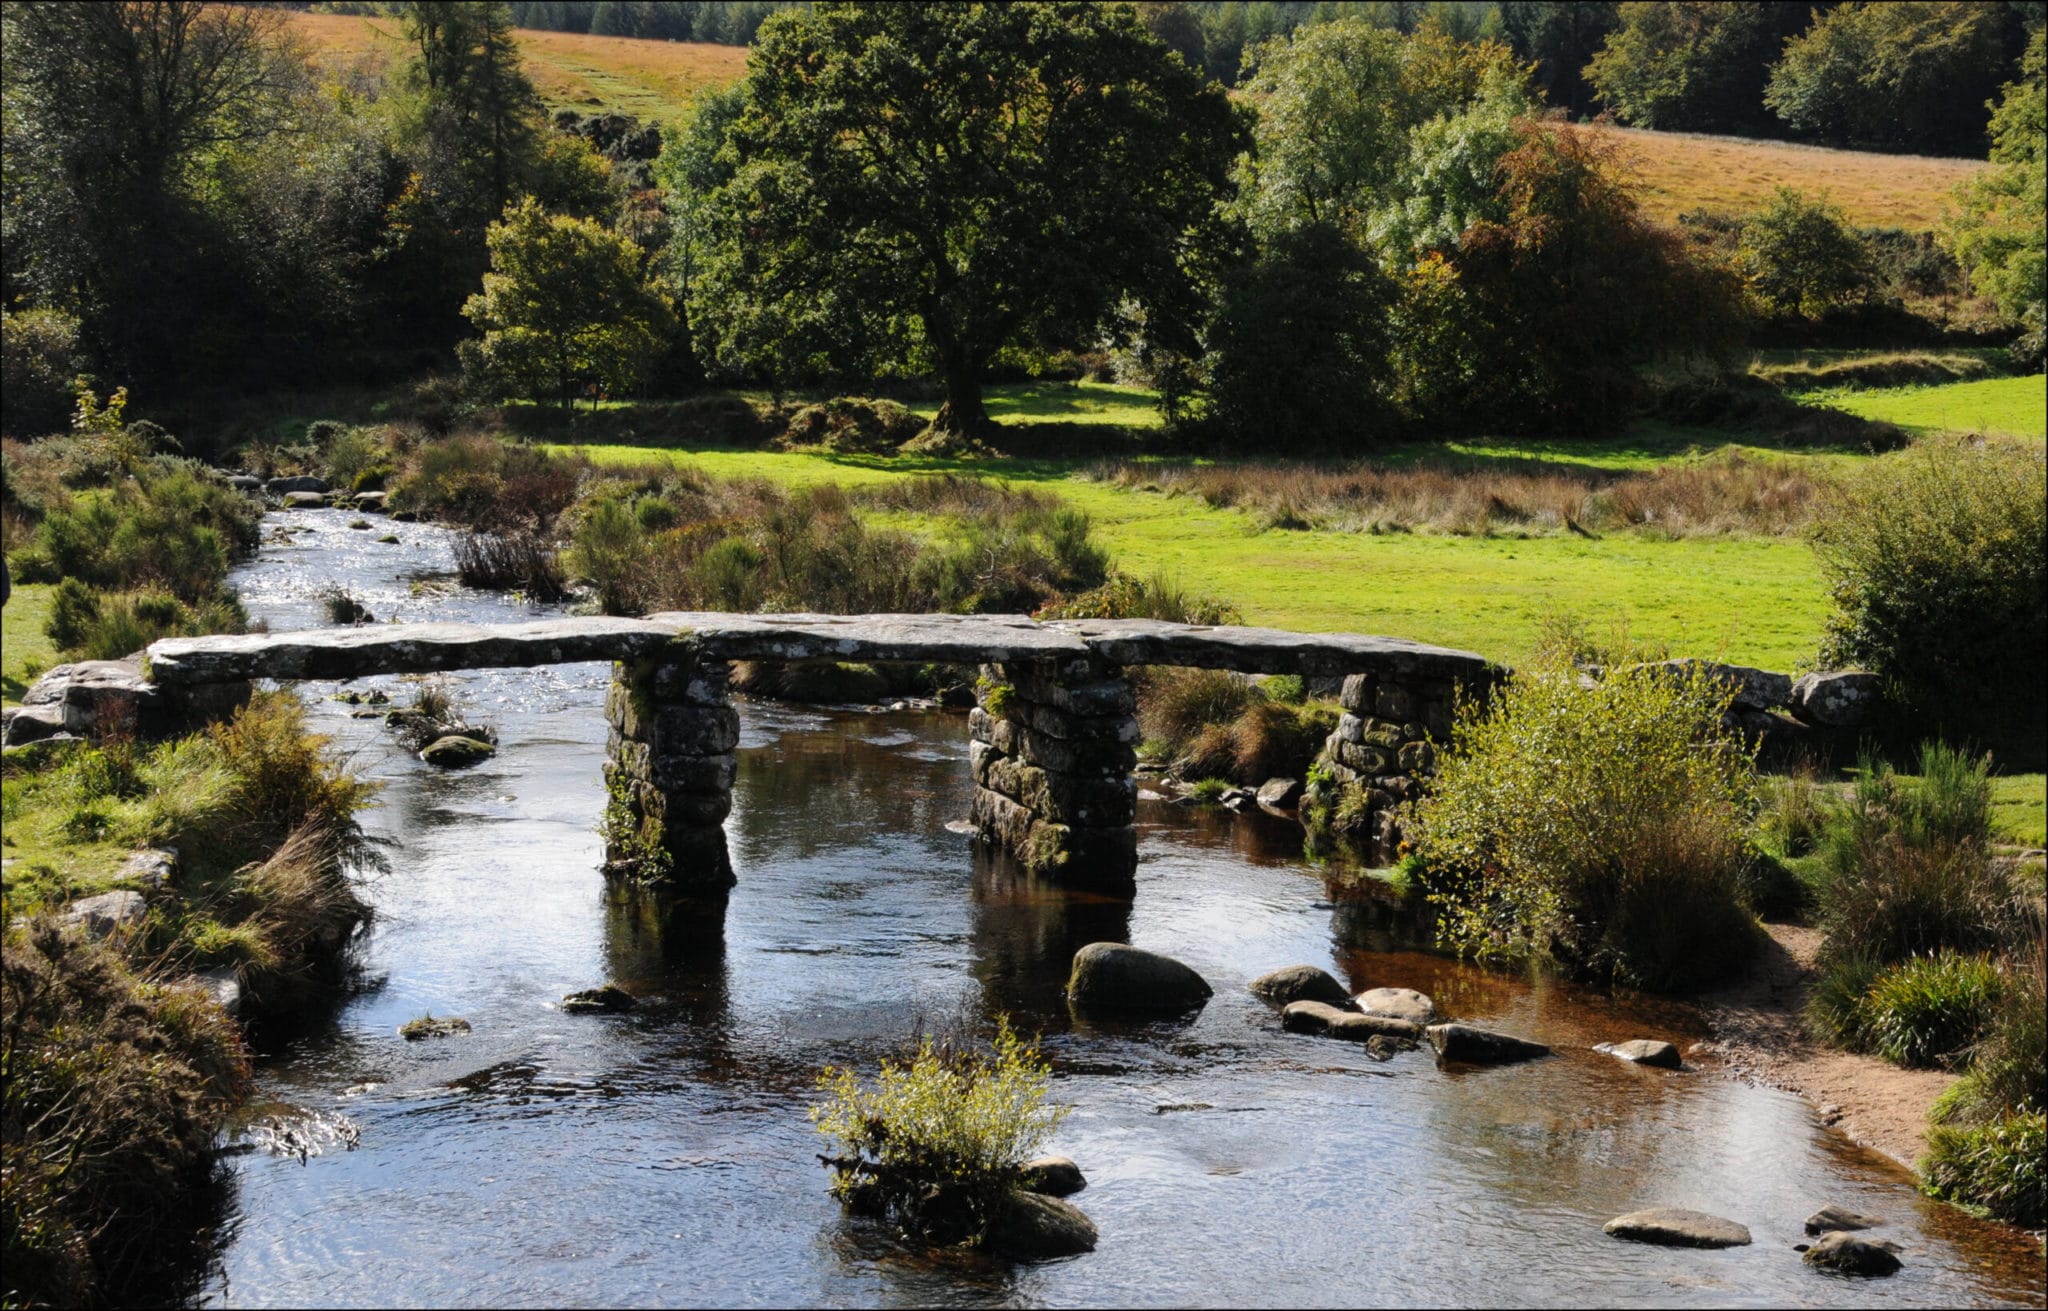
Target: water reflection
1026, 931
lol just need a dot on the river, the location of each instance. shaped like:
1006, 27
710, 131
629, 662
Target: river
664, 1157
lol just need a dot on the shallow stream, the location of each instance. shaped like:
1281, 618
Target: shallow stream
664, 1157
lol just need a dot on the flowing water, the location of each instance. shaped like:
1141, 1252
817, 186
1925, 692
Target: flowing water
664, 1157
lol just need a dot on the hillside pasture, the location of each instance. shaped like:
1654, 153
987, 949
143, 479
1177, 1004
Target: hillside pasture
1682, 171
651, 80
2015, 408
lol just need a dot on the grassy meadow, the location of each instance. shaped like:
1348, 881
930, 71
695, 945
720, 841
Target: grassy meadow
1998, 407
1682, 171
25, 649
651, 80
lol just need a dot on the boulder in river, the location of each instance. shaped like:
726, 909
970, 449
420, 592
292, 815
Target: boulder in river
300, 484
427, 1026
1853, 1254
305, 501
1055, 1176
1299, 983
1111, 977
456, 752
1832, 1217
1465, 1042
1672, 1226
1643, 1051
1331, 1021
1280, 793
1034, 1227
1399, 1004
611, 999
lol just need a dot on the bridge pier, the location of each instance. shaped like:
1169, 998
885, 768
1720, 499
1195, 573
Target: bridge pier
668, 782
1053, 744
1383, 746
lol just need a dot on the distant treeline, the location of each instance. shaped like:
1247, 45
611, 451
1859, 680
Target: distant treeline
721, 22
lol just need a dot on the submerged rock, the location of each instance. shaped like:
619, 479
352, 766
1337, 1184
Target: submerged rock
1853, 1254
455, 752
1034, 1227
1398, 1003
1299, 983
429, 1027
1643, 1051
1113, 977
1331, 1021
611, 999
1673, 1226
1463, 1042
1832, 1217
1055, 1176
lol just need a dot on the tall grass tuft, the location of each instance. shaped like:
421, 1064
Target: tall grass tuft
511, 562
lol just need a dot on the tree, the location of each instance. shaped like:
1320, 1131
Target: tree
922, 183
1693, 65
112, 109
1802, 257
1337, 103
1573, 288
1908, 74
564, 303
1299, 346
2000, 237
1561, 37
478, 104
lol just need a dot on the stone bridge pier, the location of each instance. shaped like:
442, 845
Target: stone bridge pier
1053, 744
670, 767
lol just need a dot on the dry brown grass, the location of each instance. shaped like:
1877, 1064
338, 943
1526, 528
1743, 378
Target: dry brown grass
1728, 493
654, 80
1683, 171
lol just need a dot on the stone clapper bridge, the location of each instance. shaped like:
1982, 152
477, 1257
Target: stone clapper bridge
1054, 733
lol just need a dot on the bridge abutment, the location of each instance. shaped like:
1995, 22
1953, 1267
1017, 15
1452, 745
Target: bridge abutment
668, 779
1053, 744
1383, 745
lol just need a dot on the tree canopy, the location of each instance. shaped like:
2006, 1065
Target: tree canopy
2001, 235
929, 182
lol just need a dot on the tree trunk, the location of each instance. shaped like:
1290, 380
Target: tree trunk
962, 413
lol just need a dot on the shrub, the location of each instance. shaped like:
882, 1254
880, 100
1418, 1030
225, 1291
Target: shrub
1996, 1168
1802, 257
1176, 704
1906, 869
1931, 1010
607, 552
1797, 815
39, 358
1937, 562
518, 561
89, 625
1153, 597
341, 607
1835, 1008
1601, 822
853, 424
107, 1115
938, 1143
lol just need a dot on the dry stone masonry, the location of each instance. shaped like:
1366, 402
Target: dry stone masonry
1382, 744
1053, 746
669, 778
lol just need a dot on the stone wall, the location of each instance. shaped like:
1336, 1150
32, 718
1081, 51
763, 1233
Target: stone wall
1382, 745
670, 770
1053, 744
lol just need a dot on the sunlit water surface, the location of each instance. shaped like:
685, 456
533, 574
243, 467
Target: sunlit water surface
664, 1157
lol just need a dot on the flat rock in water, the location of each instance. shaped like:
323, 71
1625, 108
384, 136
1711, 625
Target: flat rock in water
1034, 1227
1334, 1022
611, 999
1280, 793
1114, 977
1398, 1003
1464, 1042
430, 1027
1055, 1176
305, 501
1853, 1254
1832, 1217
1673, 1226
1298, 983
455, 752
301, 483
1643, 1051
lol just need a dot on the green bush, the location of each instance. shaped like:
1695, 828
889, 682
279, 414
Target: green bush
1996, 1168
1931, 1010
1600, 821
1156, 597
39, 358
938, 1143
1906, 869
89, 625
1802, 257
607, 551
1835, 1008
1937, 562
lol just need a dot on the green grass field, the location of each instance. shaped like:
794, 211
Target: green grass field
2003, 407
2019, 809
25, 649
1753, 600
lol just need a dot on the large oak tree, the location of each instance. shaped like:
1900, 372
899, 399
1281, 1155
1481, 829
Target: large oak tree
921, 184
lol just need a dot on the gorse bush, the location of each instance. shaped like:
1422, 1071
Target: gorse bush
93, 625
1931, 1010
1937, 562
172, 526
937, 1143
1601, 822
